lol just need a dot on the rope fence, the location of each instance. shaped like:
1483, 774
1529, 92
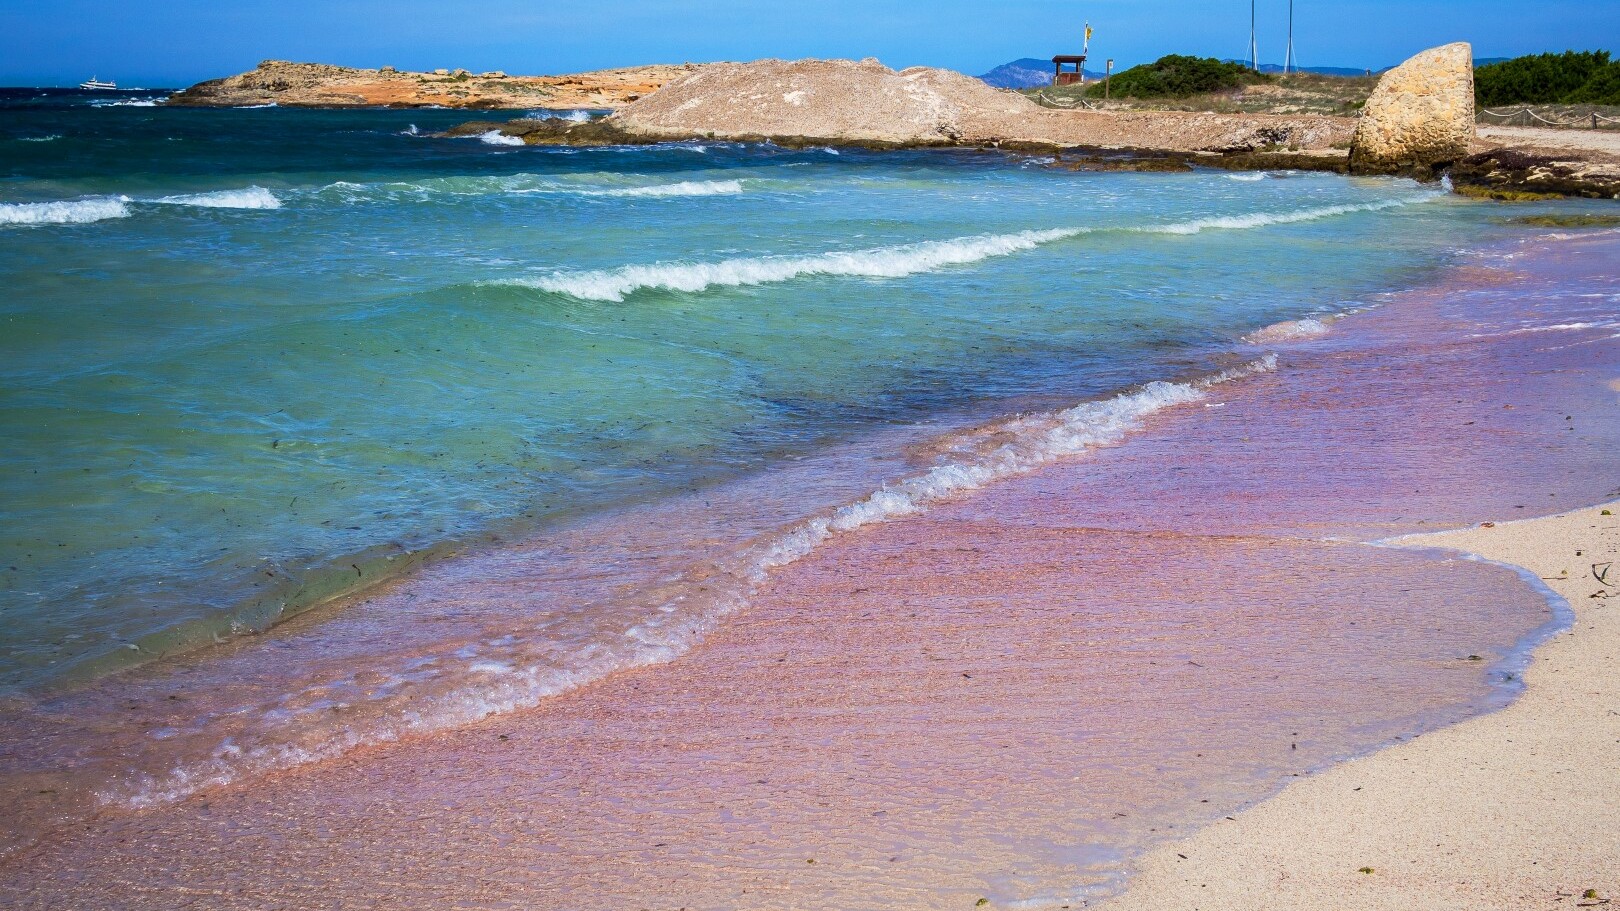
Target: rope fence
1592, 120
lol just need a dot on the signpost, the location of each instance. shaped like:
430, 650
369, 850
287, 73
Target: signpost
1107, 73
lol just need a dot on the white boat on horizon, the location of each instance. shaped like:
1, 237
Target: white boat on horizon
95, 84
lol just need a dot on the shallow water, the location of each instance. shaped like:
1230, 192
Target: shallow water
1004, 695
257, 358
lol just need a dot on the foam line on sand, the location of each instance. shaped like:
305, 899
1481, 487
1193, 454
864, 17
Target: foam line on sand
1517, 809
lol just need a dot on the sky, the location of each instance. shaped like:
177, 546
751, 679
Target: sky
179, 42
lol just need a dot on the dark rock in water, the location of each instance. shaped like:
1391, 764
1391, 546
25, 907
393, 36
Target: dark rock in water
552, 131
1506, 174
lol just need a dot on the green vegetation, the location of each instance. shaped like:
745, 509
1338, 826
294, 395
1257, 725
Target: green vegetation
1573, 77
1178, 76
1568, 221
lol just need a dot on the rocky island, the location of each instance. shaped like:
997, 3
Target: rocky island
291, 84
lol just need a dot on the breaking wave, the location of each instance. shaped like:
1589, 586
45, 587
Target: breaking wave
130, 103
74, 212
684, 188
570, 116
881, 262
51, 138
1261, 220
514, 672
1290, 330
248, 198
497, 138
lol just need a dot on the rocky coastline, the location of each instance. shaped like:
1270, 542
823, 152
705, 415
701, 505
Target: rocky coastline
290, 84
1419, 124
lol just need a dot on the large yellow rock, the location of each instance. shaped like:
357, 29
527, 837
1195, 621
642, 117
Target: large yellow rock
1420, 116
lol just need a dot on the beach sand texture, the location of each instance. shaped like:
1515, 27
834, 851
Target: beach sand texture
996, 695
1515, 810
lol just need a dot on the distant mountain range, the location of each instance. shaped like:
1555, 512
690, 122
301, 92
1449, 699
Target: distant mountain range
1026, 73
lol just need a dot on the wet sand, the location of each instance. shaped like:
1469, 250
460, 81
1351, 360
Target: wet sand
1007, 697
1515, 810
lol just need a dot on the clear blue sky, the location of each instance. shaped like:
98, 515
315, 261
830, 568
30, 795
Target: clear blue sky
182, 41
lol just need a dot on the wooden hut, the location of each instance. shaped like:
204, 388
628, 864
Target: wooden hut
1076, 76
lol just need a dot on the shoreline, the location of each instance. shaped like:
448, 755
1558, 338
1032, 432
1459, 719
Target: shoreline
1453, 815
576, 734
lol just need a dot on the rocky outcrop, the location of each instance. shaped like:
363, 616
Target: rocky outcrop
830, 99
1420, 117
291, 84
1514, 175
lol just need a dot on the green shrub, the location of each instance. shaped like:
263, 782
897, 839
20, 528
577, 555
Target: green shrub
1177, 76
1573, 77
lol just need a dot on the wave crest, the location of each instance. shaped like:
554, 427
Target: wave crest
73, 212
880, 262
684, 188
247, 198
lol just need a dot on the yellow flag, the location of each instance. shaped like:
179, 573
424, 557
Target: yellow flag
1088, 33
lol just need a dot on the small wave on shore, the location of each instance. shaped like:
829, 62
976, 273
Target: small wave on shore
73, 212
1291, 330
518, 670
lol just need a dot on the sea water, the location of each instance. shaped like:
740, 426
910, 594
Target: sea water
257, 360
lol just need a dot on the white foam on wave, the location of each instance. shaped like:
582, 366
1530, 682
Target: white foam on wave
248, 198
1264, 219
683, 188
254, 107
511, 673
1247, 177
881, 262
570, 116
497, 138
70, 212
51, 138
130, 103
1290, 331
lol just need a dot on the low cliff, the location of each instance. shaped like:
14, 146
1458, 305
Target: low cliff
291, 84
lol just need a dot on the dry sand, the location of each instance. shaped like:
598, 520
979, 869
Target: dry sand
1515, 810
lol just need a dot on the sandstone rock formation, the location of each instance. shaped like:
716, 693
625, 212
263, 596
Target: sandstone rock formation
1420, 116
830, 99
321, 85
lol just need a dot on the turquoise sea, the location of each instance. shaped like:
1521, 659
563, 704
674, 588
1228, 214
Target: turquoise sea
253, 359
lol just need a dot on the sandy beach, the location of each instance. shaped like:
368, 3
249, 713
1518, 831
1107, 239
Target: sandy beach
1010, 695
1519, 809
